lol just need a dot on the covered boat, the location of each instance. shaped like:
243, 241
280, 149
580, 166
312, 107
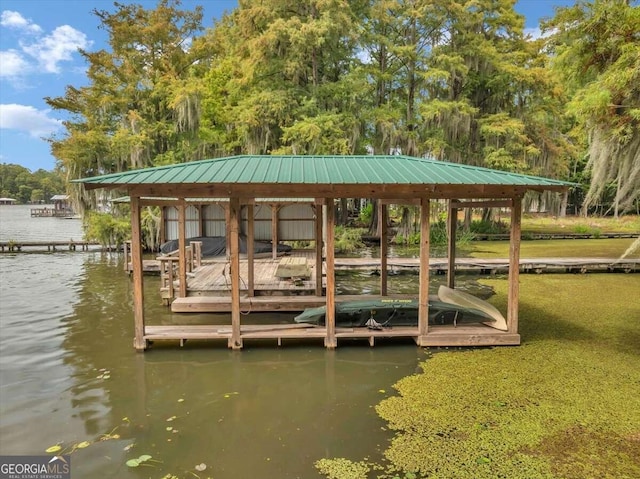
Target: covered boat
217, 246
379, 313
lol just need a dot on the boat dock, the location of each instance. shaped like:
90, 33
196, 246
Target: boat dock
52, 213
22, 246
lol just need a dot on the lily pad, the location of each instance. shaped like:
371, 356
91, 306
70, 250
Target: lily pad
53, 449
136, 462
201, 467
83, 444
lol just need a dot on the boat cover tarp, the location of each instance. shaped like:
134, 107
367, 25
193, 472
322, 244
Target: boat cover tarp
217, 246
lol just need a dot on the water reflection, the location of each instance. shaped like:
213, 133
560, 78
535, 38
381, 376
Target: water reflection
69, 374
264, 411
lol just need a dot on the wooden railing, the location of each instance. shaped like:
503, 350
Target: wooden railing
168, 265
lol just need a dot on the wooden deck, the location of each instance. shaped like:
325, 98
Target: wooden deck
467, 335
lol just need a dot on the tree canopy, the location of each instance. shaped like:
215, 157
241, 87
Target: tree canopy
596, 53
456, 80
21, 184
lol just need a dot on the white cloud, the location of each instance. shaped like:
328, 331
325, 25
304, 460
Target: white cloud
29, 119
535, 33
38, 51
11, 19
58, 46
13, 64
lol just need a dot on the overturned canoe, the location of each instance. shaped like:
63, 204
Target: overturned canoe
466, 300
388, 312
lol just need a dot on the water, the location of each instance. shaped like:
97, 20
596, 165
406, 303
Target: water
69, 373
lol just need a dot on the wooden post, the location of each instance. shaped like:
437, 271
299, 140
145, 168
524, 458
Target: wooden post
125, 249
274, 231
235, 342
250, 248
423, 295
163, 224
382, 227
201, 222
451, 246
514, 265
170, 290
330, 340
139, 343
227, 235
318, 238
182, 250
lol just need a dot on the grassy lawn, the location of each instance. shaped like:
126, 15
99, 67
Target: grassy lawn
580, 224
587, 248
565, 404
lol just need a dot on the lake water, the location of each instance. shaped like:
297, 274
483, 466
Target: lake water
69, 374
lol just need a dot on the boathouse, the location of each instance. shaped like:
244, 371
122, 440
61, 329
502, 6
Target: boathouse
7, 201
241, 180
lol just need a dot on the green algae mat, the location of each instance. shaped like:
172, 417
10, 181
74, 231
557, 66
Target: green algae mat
565, 404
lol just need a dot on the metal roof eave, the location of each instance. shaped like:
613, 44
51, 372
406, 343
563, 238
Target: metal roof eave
321, 176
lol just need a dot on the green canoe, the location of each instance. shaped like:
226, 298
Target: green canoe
387, 312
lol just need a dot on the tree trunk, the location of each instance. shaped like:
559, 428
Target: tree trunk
373, 223
563, 204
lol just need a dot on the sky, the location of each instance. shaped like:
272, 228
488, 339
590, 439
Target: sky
39, 42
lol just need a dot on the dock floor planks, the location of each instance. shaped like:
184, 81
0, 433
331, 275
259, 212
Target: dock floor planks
467, 335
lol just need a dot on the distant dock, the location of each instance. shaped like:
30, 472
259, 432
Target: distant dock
52, 213
23, 246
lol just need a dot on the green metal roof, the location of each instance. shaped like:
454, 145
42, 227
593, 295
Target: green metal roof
318, 170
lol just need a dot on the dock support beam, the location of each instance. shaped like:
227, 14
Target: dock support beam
382, 227
514, 265
250, 249
182, 247
139, 343
330, 340
235, 341
451, 245
423, 295
274, 231
318, 237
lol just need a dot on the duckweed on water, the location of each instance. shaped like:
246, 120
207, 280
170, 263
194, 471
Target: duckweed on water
342, 468
565, 404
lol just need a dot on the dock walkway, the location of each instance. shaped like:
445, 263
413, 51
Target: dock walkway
23, 246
